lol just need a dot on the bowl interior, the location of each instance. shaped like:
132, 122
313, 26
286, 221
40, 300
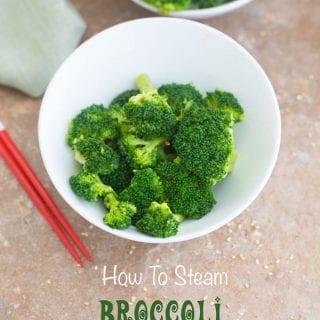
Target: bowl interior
198, 14
168, 50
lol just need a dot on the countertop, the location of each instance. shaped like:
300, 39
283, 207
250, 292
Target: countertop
271, 252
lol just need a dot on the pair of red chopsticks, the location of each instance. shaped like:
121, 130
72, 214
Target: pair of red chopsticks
40, 197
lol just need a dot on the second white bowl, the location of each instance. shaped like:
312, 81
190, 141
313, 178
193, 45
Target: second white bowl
198, 14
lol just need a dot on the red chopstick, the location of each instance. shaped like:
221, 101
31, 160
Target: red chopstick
39, 195
43, 192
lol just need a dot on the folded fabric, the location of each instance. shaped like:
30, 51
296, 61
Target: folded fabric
35, 37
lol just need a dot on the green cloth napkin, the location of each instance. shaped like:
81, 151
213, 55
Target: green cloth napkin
35, 37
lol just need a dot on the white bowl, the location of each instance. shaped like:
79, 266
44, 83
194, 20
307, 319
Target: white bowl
197, 14
169, 50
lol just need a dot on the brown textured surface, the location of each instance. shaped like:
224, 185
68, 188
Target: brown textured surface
270, 252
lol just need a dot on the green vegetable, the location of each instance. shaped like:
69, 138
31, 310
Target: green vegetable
202, 4
141, 153
159, 221
181, 96
120, 178
186, 194
119, 213
167, 6
154, 155
124, 97
146, 115
227, 102
96, 156
88, 186
92, 122
145, 187
204, 143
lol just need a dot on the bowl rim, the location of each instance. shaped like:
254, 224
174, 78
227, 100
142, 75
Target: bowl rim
197, 13
206, 229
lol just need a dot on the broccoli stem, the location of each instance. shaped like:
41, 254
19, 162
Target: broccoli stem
151, 144
144, 84
111, 200
232, 160
79, 157
178, 217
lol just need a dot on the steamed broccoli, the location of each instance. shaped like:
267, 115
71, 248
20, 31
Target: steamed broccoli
205, 143
96, 156
124, 97
167, 6
144, 188
181, 97
159, 221
88, 186
146, 115
185, 193
119, 213
120, 178
225, 101
141, 153
154, 155
202, 4
92, 122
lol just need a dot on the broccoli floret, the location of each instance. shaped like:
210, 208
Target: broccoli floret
144, 188
92, 122
119, 213
88, 186
167, 6
117, 113
96, 156
202, 4
141, 153
181, 96
185, 193
159, 221
225, 101
146, 115
120, 178
124, 97
204, 142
